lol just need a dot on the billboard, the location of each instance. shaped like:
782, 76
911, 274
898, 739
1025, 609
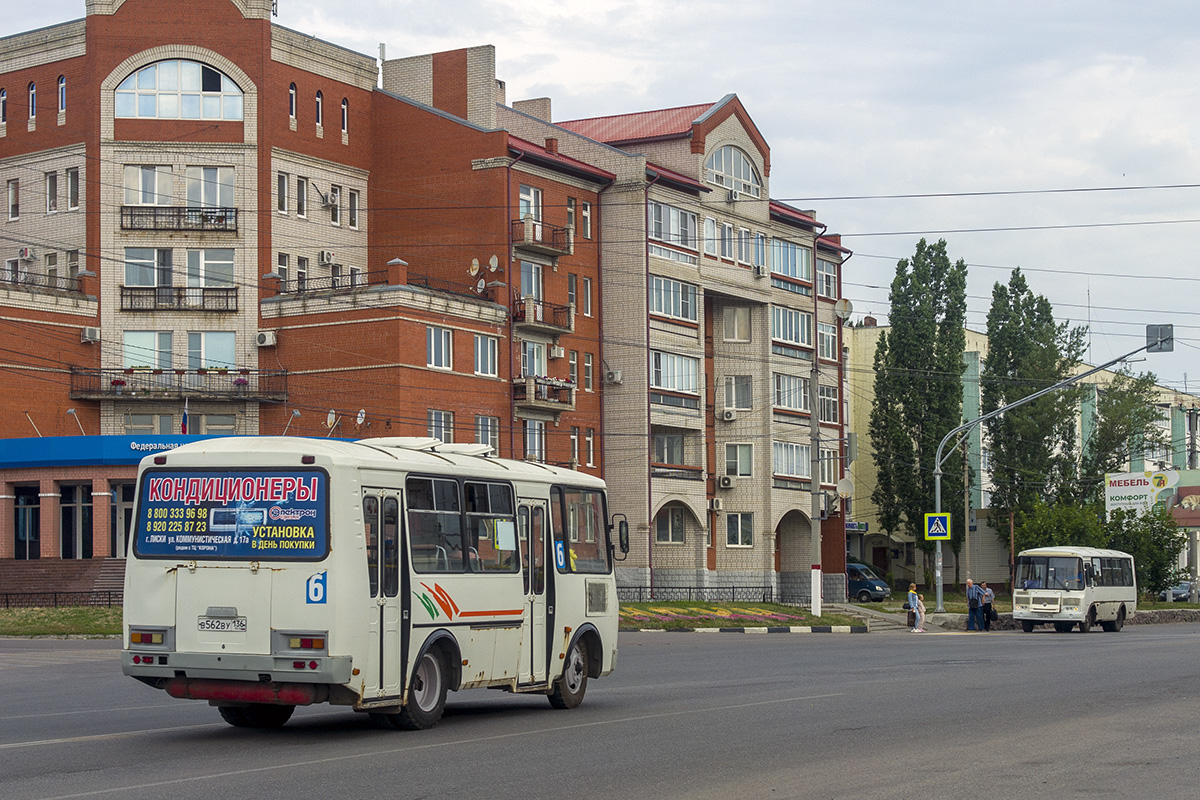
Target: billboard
1176, 490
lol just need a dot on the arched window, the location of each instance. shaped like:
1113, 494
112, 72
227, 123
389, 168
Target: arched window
730, 167
62, 93
32, 100
3, 105
345, 115
292, 101
178, 89
320, 110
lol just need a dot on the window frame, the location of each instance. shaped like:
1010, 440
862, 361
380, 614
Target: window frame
786, 321
320, 104
14, 199
439, 420
51, 192
675, 527
743, 537
722, 166
827, 278
791, 459
352, 209
829, 404
487, 355
681, 297
739, 392
72, 188
439, 348
282, 181
738, 313
827, 336
739, 459
292, 101
62, 93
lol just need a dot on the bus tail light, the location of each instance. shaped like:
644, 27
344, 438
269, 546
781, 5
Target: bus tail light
141, 638
300, 644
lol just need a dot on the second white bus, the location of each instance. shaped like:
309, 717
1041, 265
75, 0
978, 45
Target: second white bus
271, 572
1074, 586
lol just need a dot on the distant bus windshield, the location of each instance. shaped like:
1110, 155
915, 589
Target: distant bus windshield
1050, 572
233, 514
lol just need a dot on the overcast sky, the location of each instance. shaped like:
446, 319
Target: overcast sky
863, 99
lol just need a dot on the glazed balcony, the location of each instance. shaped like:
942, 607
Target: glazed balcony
538, 315
179, 298
177, 384
545, 394
178, 218
538, 237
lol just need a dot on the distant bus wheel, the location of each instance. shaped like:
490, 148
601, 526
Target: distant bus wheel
569, 689
1027, 626
1063, 627
1119, 622
235, 716
426, 695
262, 715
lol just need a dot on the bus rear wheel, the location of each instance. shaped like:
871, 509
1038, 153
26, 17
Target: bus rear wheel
569, 689
1116, 624
426, 696
257, 715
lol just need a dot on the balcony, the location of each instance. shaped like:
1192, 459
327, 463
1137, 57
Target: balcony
544, 394
179, 298
175, 218
538, 315
538, 237
23, 279
334, 283
176, 384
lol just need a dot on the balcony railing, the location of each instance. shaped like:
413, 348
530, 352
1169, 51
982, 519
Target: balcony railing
176, 384
539, 237
543, 316
179, 298
442, 285
23, 279
543, 393
177, 218
334, 283
683, 473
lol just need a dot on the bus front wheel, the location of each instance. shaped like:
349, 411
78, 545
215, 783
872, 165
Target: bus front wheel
569, 689
1089, 619
1027, 626
426, 695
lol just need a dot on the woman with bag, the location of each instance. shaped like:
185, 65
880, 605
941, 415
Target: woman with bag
914, 616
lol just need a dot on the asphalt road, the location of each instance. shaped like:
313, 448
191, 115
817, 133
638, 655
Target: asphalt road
880, 715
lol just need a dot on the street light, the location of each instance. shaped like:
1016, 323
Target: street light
71, 411
295, 413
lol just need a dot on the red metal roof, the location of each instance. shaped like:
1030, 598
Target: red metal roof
571, 164
672, 176
792, 214
665, 123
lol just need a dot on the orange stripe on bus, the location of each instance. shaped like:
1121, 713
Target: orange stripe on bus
508, 612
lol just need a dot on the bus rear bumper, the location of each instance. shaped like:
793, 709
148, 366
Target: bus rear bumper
226, 669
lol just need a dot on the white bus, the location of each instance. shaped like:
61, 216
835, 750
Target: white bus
1069, 586
271, 572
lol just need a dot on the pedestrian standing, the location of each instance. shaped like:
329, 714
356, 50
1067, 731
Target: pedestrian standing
914, 613
989, 597
921, 613
974, 606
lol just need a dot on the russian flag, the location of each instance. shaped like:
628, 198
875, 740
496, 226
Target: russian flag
183, 427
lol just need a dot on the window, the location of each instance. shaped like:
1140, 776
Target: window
671, 298
225, 424
590, 440
739, 459
668, 525
301, 273
672, 225
320, 109
486, 349
744, 245
212, 187
437, 348
571, 213
739, 530
738, 393
533, 359
352, 209
32, 100
531, 281
737, 323
435, 529
72, 263
211, 350
335, 205
730, 167
491, 543
572, 288
573, 366
585, 213
210, 267
674, 372
827, 341
3, 105
14, 198
587, 297
282, 268
62, 93
301, 197
791, 392
178, 89
530, 203
760, 249
12, 271
72, 188
710, 236
727, 240
148, 424
791, 260
281, 193
587, 372
575, 445
146, 266
51, 192
441, 424
793, 460
535, 439
345, 115
146, 349
147, 186
829, 466
792, 326
292, 101
487, 431
668, 448
826, 278
51, 260
75, 516
827, 403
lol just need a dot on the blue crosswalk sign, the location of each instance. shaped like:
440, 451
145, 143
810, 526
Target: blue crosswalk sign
937, 526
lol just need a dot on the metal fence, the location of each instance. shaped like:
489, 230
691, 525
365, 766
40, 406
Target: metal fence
61, 599
697, 594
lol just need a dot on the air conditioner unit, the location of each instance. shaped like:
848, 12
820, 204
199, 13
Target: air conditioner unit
325, 258
733, 195
728, 415
89, 334
716, 504
266, 339
760, 270
614, 376
26, 253
726, 481
557, 352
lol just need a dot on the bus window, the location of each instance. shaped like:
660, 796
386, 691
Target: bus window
371, 526
491, 528
391, 549
579, 528
537, 548
435, 525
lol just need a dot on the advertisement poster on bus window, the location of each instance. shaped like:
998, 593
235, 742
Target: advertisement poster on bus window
252, 515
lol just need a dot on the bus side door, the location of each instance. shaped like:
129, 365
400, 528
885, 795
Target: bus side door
381, 520
531, 527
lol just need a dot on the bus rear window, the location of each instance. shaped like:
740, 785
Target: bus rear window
254, 515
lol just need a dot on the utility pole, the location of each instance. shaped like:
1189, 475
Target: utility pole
966, 507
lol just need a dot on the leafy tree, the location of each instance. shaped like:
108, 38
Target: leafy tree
1154, 542
1058, 524
918, 388
1032, 447
1126, 418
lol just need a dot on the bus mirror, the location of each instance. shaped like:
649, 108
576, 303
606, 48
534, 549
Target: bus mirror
623, 535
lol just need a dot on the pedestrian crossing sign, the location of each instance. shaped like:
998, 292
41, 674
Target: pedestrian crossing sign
937, 527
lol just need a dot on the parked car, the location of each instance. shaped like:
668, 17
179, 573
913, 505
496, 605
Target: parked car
1179, 592
865, 585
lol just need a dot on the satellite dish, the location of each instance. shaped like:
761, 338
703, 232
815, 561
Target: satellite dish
480, 286
474, 268
845, 487
493, 263
362, 415
330, 418
843, 308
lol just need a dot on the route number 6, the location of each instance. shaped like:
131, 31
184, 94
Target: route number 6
315, 588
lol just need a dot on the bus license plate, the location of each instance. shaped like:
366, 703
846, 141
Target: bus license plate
237, 624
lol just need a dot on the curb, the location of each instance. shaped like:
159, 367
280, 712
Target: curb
780, 629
